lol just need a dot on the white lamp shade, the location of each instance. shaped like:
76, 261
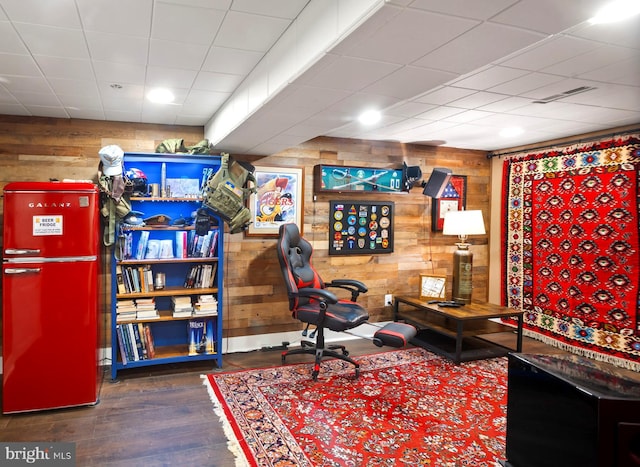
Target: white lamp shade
463, 223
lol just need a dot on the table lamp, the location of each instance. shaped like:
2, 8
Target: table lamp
463, 224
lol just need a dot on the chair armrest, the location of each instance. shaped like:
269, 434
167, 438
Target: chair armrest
319, 294
352, 285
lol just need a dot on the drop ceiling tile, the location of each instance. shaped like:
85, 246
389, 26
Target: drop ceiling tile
13, 109
548, 16
408, 82
175, 55
229, 60
409, 109
525, 83
219, 82
123, 115
558, 87
444, 95
250, 32
18, 65
488, 78
505, 105
86, 113
67, 68
625, 72
48, 40
61, 13
86, 100
117, 16
288, 9
129, 92
25, 84
478, 99
350, 74
477, 47
200, 101
592, 60
468, 116
549, 52
44, 111
187, 24
625, 33
118, 48
478, 9
419, 32
170, 77
45, 99
119, 73
10, 41
70, 87
440, 113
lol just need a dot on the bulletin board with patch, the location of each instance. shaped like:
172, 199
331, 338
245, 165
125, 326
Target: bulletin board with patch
360, 228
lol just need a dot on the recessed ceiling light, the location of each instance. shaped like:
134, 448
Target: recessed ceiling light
160, 96
511, 132
617, 10
369, 117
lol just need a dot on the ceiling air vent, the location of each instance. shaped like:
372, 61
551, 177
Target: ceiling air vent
570, 92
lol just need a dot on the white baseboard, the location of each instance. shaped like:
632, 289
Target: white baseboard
260, 341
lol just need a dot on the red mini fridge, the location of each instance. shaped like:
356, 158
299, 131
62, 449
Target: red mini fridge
50, 295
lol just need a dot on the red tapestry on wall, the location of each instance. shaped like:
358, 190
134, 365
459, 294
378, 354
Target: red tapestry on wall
571, 247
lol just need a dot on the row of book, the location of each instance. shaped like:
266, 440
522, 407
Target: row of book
132, 279
187, 245
135, 342
141, 308
201, 276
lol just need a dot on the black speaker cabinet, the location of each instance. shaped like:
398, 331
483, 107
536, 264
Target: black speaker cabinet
437, 182
571, 411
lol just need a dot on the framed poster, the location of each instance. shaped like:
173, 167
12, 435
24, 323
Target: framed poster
343, 179
279, 200
454, 198
360, 228
432, 287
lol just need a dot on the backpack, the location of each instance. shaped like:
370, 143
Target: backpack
114, 203
225, 192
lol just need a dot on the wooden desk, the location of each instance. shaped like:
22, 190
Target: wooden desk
456, 332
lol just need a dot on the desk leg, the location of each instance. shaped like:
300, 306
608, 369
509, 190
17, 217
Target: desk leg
519, 334
459, 342
396, 304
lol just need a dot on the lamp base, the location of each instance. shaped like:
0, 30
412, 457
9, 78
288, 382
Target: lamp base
462, 274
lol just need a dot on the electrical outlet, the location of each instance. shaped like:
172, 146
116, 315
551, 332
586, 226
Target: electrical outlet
388, 299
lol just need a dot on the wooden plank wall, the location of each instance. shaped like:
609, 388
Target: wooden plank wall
255, 299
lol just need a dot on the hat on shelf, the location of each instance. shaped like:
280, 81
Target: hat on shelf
111, 157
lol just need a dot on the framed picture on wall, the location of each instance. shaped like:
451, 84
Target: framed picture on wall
279, 200
454, 198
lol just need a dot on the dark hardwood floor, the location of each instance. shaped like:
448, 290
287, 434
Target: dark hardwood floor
159, 416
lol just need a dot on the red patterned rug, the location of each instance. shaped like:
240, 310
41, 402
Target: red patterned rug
408, 407
571, 247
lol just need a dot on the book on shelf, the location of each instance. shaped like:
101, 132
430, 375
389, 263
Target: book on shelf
153, 249
201, 333
166, 249
121, 345
181, 244
182, 307
120, 280
206, 305
148, 336
142, 244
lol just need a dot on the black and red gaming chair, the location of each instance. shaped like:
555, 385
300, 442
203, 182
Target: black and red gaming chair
311, 303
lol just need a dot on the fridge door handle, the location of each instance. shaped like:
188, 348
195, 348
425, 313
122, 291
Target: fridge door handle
21, 251
22, 270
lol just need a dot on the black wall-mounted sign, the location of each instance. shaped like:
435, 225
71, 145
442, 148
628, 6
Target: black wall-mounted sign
360, 228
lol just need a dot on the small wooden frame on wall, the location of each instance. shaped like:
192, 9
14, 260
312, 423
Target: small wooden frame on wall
432, 287
454, 198
279, 200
